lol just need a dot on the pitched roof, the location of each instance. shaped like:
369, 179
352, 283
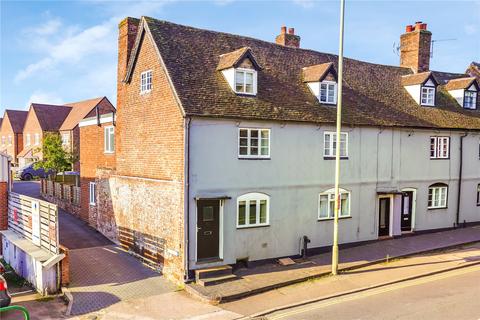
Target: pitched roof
316, 72
417, 78
17, 119
79, 111
373, 93
50, 117
461, 83
474, 69
231, 59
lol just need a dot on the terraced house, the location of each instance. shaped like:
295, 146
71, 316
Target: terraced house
224, 146
11, 132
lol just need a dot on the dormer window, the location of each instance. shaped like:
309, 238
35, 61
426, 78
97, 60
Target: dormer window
470, 101
328, 92
321, 79
428, 96
244, 81
240, 70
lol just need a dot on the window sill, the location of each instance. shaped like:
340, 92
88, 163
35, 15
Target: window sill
331, 219
253, 227
109, 153
92, 204
145, 92
437, 208
333, 158
254, 158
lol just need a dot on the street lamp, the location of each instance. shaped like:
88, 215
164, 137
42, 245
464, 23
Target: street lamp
337, 143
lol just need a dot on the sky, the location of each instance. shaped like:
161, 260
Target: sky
64, 51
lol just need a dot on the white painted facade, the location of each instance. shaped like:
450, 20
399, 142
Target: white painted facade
381, 163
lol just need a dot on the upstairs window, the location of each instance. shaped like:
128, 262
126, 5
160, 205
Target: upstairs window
244, 81
9, 140
146, 81
253, 210
3, 140
65, 139
428, 96
27, 139
439, 147
328, 92
330, 144
437, 196
326, 204
37, 139
109, 139
470, 100
254, 143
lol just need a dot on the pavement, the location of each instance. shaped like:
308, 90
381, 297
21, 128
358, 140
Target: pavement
269, 276
452, 295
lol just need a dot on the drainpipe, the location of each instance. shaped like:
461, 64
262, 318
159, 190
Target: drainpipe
460, 173
187, 200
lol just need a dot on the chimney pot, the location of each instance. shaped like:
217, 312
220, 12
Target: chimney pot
409, 28
415, 47
291, 31
283, 30
288, 39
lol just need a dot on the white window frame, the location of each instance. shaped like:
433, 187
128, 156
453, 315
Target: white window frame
36, 139
249, 147
328, 84
438, 148
330, 194
427, 93
92, 193
65, 139
328, 152
3, 140
254, 81
478, 194
433, 191
107, 132
473, 105
27, 139
9, 140
146, 83
254, 196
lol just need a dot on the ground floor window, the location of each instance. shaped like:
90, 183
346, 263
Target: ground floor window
253, 210
478, 195
92, 193
326, 204
437, 196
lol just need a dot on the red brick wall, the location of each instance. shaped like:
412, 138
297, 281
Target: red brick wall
92, 157
415, 50
17, 142
148, 188
32, 126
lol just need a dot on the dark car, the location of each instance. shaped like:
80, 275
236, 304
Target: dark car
29, 172
5, 297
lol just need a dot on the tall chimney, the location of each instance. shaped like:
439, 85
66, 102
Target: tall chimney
288, 39
415, 47
127, 32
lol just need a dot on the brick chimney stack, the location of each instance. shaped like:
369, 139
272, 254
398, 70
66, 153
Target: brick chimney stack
127, 32
288, 39
415, 46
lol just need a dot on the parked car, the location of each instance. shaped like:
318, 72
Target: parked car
5, 297
29, 172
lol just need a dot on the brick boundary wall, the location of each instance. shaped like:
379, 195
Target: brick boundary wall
65, 266
3, 209
63, 195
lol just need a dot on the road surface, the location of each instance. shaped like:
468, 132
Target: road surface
451, 295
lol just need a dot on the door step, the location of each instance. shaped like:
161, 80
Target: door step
212, 276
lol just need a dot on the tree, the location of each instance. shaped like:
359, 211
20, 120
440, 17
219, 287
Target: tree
55, 158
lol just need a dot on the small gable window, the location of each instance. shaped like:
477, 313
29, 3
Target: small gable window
328, 92
146, 81
244, 81
470, 101
428, 96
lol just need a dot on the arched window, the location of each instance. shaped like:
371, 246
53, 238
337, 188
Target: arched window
326, 204
437, 196
253, 210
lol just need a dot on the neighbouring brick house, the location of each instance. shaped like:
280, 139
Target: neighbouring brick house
41, 119
97, 161
69, 129
11, 133
223, 147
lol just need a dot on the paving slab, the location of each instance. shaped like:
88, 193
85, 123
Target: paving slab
272, 275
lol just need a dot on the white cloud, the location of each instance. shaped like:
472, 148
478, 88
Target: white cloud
48, 28
304, 3
44, 97
470, 29
223, 2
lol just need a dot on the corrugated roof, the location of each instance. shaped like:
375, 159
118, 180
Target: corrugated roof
79, 111
373, 93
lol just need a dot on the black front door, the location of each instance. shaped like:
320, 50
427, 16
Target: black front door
407, 208
384, 217
208, 227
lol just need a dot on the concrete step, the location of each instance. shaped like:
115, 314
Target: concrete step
213, 272
205, 282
